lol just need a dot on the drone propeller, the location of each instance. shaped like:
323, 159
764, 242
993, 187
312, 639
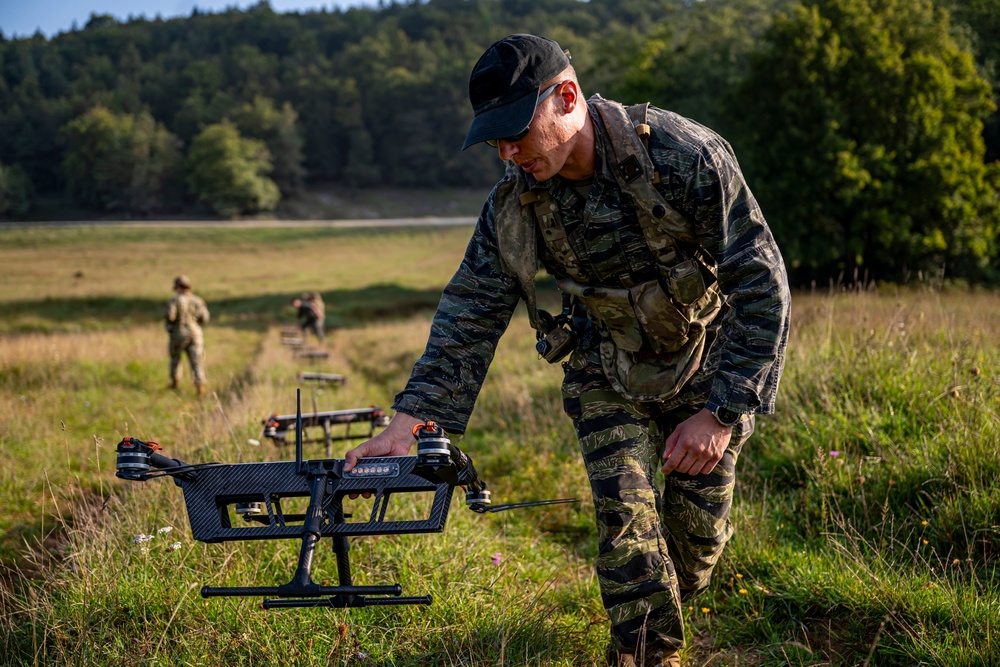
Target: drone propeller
483, 509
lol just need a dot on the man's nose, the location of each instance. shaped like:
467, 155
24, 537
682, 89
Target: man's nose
507, 149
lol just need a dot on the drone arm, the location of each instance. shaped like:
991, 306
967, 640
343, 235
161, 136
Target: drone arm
161, 462
468, 477
136, 457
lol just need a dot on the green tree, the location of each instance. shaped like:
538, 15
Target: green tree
690, 58
121, 162
864, 124
278, 128
16, 191
229, 172
402, 124
360, 167
981, 18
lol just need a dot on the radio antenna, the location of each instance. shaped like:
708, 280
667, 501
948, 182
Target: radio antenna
298, 430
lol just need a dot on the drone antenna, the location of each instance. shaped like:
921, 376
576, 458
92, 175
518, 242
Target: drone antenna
298, 430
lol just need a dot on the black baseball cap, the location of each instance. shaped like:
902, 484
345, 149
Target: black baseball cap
505, 83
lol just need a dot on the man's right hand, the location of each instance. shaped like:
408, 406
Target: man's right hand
395, 440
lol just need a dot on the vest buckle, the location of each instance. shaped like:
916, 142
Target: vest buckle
630, 168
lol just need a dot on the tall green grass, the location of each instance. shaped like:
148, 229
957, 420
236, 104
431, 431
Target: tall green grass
867, 511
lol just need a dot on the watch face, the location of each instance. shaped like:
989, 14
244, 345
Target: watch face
727, 417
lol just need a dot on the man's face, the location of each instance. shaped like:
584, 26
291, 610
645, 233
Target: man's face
544, 150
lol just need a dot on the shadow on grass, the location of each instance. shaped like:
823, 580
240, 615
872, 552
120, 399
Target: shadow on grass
344, 308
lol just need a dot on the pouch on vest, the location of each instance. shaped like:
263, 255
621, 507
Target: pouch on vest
645, 312
665, 326
612, 308
686, 282
675, 332
651, 377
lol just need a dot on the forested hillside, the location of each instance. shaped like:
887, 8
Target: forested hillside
868, 128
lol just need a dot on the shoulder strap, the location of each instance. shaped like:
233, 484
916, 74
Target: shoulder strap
553, 232
661, 224
637, 114
516, 240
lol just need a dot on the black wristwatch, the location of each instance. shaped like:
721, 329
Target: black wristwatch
726, 417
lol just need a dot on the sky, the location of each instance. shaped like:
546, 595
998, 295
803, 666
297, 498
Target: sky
21, 18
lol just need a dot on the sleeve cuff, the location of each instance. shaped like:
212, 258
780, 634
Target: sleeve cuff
743, 401
452, 423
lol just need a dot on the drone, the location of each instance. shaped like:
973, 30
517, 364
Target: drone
314, 355
276, 427
322, 378
243, 501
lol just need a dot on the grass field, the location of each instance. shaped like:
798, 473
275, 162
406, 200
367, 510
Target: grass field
867, 513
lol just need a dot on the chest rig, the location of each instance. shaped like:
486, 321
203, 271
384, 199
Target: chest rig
654, 332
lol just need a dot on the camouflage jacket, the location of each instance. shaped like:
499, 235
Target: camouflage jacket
307, 314
702, 180
184, 315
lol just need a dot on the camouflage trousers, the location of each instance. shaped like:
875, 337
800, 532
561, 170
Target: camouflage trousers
655, 549
194, 346
314, 328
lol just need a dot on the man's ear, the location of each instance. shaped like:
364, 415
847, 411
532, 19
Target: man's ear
569, 95
572, 96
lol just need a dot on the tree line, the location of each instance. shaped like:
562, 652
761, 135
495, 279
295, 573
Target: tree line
868, 129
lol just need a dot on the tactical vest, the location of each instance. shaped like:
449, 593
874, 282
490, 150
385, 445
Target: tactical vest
653, 334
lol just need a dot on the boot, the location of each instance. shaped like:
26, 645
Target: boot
618, 659
200, 390
654, 657
173, 383
662, 657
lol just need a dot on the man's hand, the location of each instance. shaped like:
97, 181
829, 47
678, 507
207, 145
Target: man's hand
395, 440
696, 445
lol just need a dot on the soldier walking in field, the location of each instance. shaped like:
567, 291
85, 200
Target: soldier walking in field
185, 313
311, 314
675, 321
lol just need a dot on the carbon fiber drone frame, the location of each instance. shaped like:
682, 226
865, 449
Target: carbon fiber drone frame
221, 496
215, 493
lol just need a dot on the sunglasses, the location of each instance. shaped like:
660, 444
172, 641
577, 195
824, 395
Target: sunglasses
523, 133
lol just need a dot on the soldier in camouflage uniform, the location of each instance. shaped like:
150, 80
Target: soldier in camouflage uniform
678, 301
311, 314
184, 315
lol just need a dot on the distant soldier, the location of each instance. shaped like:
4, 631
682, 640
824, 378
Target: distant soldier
311, 314
184, 316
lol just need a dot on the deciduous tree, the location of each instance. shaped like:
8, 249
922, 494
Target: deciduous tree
16, 192
278, 129
121, 162
864, 120
229, 172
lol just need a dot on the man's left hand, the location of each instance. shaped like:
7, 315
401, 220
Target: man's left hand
696, 445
